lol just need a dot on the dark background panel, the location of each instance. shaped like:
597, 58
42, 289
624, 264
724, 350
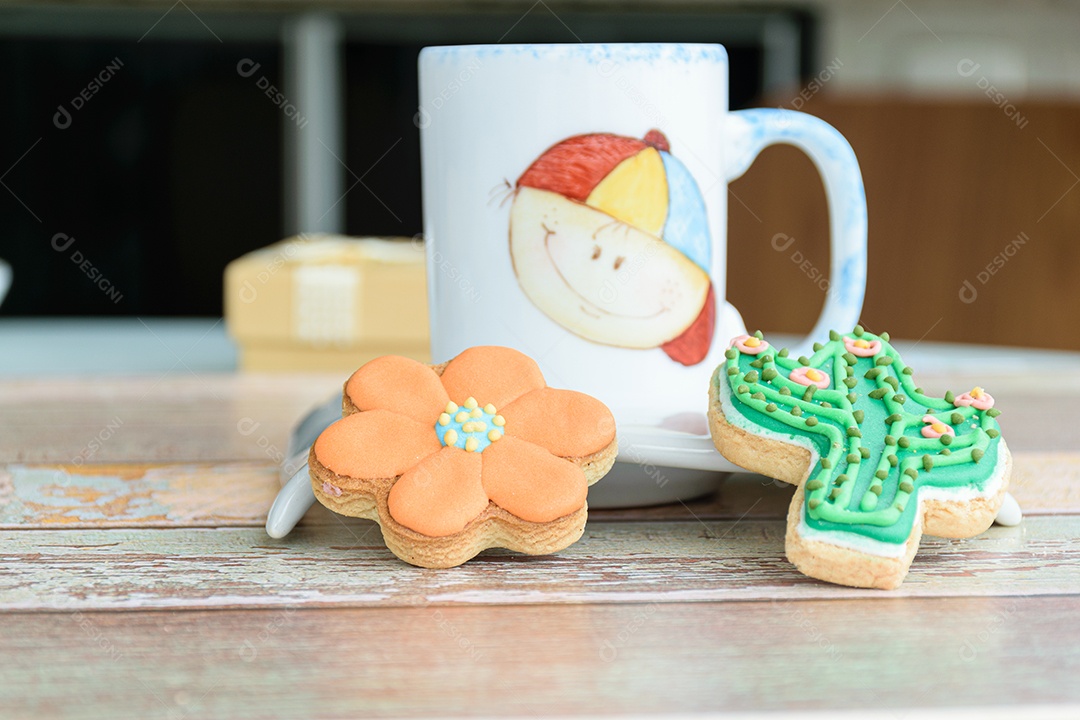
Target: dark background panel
174, 166
169, 170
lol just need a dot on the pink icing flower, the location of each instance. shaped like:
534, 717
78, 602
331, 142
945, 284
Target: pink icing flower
976, 398
934, 428
809, 376
749, 344
862, 348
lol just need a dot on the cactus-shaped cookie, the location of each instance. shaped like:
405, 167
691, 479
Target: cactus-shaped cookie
877, 462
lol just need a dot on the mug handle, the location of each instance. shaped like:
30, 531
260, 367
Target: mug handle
748, 132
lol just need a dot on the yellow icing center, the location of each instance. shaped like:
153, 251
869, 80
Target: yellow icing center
751, 342
466, 426
814, 375
976, 392
862, 344
939, 428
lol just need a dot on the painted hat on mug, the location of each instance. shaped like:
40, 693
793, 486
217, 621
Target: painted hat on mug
610, 239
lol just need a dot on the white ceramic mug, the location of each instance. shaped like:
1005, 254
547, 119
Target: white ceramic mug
575, 208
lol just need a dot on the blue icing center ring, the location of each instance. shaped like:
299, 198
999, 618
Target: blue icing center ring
469, 427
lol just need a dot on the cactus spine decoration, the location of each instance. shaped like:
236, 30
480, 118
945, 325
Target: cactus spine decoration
882, 453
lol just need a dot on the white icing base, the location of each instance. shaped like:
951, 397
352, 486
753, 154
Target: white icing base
993, 485
734, 417
851, 541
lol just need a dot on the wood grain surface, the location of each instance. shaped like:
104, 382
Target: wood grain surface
348, 565
239, 494
599, 659
170, 418
136, 581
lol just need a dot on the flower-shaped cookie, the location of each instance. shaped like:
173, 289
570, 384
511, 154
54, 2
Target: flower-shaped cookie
452, 459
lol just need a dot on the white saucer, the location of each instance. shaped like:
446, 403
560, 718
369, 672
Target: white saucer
662, 463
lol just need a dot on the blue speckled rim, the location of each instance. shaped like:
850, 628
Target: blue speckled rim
598, 52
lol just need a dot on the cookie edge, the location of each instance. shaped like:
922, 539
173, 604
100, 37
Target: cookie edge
791, 463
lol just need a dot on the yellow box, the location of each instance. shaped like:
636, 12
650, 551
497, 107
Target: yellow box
326, 302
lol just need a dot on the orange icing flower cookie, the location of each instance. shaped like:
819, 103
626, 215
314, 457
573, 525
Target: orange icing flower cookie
475, 453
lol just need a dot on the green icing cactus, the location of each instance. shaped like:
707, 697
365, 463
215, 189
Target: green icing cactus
880, 440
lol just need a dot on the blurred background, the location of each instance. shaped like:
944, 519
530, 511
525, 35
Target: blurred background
145, 145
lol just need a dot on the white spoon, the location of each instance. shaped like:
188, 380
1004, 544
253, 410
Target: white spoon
293, 500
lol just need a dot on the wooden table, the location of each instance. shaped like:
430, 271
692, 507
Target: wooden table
136, 581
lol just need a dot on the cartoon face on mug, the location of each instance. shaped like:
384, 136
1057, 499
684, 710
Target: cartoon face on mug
609, 238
